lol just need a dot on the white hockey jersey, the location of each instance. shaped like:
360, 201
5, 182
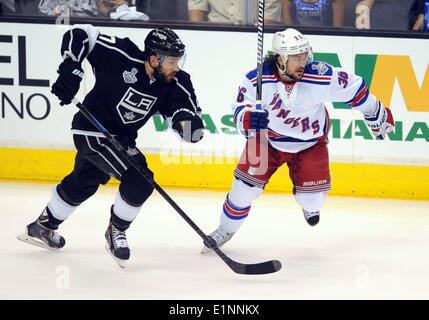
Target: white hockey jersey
297, 114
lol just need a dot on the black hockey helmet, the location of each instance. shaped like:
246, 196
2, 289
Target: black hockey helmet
163, 42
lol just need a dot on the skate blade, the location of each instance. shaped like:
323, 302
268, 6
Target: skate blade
120, 262
25, 237
206, 250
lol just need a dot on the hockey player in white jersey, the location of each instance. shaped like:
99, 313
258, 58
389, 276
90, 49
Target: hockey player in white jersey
292, 128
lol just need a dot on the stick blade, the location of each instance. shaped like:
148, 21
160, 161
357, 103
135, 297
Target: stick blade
266, 267
256, 268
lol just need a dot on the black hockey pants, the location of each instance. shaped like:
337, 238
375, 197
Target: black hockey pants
96, 161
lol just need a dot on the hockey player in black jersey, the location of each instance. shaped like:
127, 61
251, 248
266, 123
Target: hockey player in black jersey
131, 85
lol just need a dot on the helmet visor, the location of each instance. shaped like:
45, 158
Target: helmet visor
173, 62
300, 58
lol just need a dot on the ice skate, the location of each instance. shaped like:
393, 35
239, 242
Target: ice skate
117, 245
312, 218
220, 236
37, 234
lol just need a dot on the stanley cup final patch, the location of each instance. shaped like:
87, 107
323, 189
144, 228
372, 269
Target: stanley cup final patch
320, 67
130, 76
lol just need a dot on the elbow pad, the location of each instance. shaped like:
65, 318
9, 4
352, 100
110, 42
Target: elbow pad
75, 45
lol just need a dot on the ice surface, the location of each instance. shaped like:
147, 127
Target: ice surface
361, 249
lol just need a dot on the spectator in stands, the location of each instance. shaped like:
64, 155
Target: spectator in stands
313, 12
7, 7
417, 12
230, 11
164, 10
113, 9
121, 10
79, 8
105, 7
383, 14
19, 7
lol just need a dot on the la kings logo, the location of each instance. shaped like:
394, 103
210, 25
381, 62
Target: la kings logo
134, 106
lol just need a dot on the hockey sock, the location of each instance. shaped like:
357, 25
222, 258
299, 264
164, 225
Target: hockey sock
311, 201
232, 217
237, 205
119, 223
58, 208
123, 213
47, 220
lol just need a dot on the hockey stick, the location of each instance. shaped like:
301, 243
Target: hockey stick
260, 50
241, 268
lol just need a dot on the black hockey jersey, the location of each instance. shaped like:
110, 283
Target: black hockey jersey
124, 97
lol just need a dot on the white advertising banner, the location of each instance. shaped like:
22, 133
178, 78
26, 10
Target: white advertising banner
395, 70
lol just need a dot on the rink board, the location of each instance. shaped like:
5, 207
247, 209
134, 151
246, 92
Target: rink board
36, 144
208, 173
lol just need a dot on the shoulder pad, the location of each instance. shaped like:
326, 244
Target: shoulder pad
252, 74
124, 46
266, 71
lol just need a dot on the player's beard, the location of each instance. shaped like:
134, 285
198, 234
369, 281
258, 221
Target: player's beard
162, 77
296, 76
292, 77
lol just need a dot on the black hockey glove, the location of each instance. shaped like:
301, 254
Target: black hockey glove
188, 125
67, 84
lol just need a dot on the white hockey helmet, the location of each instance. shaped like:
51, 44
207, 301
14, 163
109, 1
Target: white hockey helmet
291, 41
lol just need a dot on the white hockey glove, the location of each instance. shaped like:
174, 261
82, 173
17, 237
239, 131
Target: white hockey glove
381, 122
